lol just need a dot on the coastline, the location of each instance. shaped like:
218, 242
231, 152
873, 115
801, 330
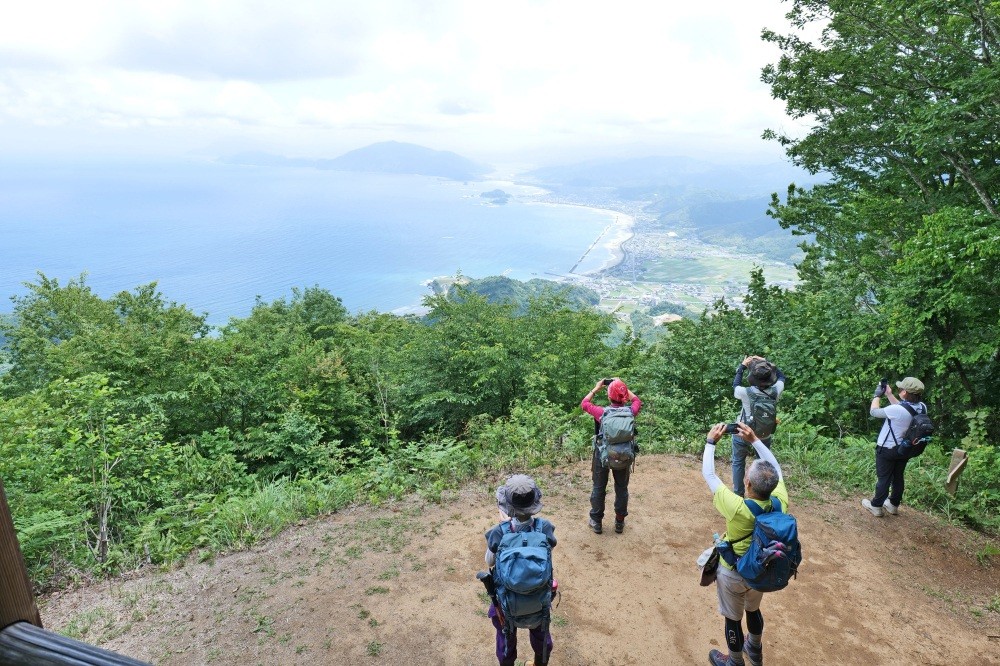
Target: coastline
603, 254
611, 240
593, 261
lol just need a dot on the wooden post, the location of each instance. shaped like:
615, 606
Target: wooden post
17, 600
959, 459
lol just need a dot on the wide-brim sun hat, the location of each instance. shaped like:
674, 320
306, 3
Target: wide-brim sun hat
520, 496
762, 374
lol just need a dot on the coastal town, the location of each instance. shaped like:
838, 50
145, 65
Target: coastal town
645, 263
660, 267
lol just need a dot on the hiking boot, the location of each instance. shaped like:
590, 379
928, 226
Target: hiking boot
596, 526
619, 526
753, 656
877, 511
716, 658
890, 508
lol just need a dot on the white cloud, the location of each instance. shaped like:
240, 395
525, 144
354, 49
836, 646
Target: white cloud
474, 77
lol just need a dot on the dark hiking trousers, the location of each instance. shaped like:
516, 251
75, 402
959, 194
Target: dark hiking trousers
597, 494
889, 468
541, 641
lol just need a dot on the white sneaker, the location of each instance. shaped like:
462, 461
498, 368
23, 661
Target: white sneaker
876, 510
890, 508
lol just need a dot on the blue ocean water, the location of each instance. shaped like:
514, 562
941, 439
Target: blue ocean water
214, 236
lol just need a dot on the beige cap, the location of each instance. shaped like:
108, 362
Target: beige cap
910, 385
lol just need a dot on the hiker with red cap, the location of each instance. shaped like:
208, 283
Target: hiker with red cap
614, 448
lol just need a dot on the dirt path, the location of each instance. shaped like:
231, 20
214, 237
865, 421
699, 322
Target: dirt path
396, 586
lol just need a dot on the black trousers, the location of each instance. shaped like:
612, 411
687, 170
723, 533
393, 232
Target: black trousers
889, 469
600, 476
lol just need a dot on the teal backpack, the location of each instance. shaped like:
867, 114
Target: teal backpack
523, 578
775, 553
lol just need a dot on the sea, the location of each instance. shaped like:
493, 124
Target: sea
215, 237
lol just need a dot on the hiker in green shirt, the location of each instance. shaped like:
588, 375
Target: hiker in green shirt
762, 480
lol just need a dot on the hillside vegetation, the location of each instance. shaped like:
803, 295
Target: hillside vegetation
131, 432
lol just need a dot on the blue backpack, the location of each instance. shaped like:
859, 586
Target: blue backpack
774, 554
523, 578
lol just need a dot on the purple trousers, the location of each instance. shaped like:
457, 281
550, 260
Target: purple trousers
538, 638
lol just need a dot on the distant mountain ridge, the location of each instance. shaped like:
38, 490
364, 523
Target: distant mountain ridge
384, 157
724, 204
673, 173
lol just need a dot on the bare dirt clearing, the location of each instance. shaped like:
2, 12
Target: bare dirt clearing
395, 585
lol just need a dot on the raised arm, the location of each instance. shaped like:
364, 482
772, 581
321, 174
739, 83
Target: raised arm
740, 369
779, 382
708, 457
588, 406
876, 409
747, 434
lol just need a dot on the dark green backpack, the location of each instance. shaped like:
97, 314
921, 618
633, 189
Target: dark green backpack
763, 416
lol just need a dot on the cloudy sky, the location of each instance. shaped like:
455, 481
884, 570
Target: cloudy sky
520, 80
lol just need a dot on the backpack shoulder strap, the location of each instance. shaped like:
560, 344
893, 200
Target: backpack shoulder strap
757, 509
905, 405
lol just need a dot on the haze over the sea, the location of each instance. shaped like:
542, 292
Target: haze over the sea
215, 236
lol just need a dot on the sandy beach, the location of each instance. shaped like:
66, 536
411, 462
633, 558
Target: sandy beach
604, 253
612, 243
606, 250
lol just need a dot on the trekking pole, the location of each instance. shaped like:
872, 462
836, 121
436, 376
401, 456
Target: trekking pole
486, 577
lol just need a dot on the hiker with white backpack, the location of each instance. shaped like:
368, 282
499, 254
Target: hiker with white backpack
758, 408
614, 448
520, 582
759, 550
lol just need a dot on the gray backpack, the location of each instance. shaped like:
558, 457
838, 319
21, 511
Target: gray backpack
616, 441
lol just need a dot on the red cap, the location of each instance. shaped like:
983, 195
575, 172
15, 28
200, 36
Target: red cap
617, 391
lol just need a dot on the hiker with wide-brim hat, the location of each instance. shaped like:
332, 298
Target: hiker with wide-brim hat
519, 500
765, 383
